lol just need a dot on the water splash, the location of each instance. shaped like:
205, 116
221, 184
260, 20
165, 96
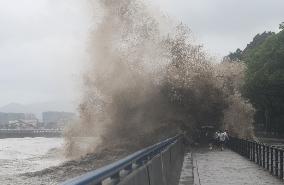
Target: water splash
147, 81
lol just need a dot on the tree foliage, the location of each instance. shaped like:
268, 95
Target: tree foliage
264, 81
259, 39
235, 56
281, 26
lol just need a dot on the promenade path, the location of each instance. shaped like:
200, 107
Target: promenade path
229, 168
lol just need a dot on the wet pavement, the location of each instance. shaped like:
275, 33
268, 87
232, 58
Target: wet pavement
229, 168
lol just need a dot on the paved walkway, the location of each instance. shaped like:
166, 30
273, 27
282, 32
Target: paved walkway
229, 168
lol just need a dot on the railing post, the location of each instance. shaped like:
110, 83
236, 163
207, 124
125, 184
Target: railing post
237, 145
271, 160
242, 147
263, 155
249, 156
276, 162
234, 145
249, 149
246, 149
253, 151
259, 154
267, 158
281, 164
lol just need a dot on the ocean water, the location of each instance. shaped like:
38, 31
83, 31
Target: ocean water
22, 155
34, 161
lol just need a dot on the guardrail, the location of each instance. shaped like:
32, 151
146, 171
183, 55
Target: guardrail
266, 156
157, 164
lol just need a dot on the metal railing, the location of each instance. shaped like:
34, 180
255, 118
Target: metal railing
114, 171
266, 156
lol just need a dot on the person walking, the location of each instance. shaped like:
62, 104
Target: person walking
217, 138
223, 138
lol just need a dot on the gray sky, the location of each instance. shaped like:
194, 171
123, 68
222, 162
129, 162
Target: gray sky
224, 25
43, 42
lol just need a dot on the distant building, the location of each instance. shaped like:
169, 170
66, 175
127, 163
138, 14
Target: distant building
9, 119
22, 124
53, 119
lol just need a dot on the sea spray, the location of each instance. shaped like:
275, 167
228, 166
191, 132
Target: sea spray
146, 82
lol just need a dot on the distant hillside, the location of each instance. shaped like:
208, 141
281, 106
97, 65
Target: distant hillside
14, 108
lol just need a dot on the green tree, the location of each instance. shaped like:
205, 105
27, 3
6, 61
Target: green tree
281, 26
255, 43
264, 83
236, 56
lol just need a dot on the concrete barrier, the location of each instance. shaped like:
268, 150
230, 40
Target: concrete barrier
156, 171
166, 165
164, 169
148, 166
138, 177
177, 156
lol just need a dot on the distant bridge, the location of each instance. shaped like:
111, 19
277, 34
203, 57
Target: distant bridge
20, 133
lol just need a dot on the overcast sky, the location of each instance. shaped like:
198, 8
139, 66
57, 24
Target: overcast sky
43, 42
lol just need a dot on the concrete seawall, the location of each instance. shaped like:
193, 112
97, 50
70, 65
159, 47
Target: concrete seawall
164, 169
